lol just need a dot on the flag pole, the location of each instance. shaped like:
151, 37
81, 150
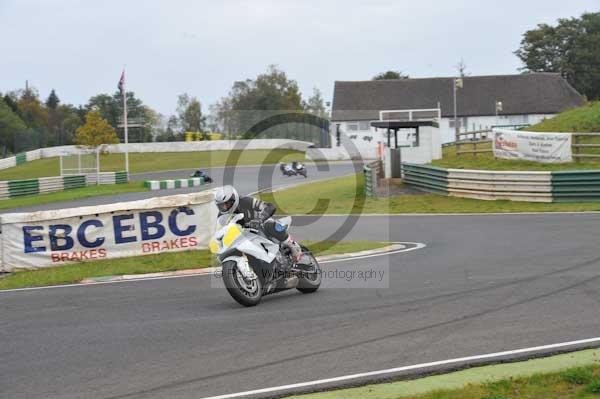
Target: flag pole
125, 125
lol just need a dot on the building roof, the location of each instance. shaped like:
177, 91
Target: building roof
531, 93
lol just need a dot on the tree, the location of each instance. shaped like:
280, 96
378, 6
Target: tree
96, 131
189, 111
251, 101
315, 105
571, 48
461, 67
111, 109
68, 121
10, 125
52, 101
11, 100
390, 75
31, 110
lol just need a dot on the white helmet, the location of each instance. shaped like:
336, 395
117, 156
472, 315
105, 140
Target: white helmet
227, 199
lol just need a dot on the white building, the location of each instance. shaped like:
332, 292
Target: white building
525, 99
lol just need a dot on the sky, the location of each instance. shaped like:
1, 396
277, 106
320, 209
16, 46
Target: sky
168, 47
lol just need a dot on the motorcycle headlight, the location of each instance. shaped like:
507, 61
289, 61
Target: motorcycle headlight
213, 246
233, 232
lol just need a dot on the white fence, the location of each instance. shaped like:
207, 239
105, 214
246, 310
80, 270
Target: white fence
157, 225
177, 146
188, 146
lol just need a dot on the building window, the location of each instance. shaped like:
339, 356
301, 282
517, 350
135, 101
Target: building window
461, 122
364, 125
352, 127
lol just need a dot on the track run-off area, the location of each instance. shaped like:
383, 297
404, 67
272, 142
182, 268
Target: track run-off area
481, 284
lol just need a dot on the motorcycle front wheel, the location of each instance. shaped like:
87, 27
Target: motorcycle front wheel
245, 292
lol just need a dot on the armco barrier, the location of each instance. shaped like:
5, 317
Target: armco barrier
174, 183
560, 186
570, 186
20, 188
426, 178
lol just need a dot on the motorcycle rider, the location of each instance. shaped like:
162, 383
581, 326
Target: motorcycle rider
257, 215
288, 168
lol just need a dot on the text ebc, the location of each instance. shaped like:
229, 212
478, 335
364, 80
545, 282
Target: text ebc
62, 236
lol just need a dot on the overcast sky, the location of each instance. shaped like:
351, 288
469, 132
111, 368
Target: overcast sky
169, 47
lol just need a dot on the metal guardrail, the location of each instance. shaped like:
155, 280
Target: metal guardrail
560, 186
373, 172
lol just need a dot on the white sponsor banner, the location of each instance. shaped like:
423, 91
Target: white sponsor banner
530, 146
53, 238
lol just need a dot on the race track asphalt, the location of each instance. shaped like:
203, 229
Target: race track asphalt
246, 179
482, 284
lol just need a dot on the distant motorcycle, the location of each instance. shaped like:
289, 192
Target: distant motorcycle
203, 175
293, 169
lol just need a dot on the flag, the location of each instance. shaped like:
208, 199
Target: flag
121, 85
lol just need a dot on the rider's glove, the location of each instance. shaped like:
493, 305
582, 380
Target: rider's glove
255, 224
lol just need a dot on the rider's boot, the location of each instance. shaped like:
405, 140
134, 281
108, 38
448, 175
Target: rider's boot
294, 247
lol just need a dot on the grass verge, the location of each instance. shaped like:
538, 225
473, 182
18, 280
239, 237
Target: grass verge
486, 161
144, 162
581, 119
347, 195
73, 194
584, 119
567, 376
172, 261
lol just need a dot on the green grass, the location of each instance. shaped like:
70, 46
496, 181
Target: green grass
549, 377
73, 194
538, 386
486, 161
585, 119
149, 162
346, 195
150, 264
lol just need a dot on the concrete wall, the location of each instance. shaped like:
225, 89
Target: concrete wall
446, 131
430, 145
186, 146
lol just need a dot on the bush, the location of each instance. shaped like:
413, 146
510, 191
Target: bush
579, 376
594, 386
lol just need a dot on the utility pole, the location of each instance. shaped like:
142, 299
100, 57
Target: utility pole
123, 91
457, 83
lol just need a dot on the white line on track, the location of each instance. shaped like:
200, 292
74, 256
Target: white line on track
417, 245
406, 368
454, 214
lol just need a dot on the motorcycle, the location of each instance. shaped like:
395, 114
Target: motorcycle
293, 169
254, 266
202, 174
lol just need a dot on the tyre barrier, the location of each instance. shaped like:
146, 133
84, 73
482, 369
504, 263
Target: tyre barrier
372, 172
558, 186
19, 159
173, 183
19, 188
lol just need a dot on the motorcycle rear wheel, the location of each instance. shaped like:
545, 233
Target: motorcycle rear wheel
310, 280
243, 291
